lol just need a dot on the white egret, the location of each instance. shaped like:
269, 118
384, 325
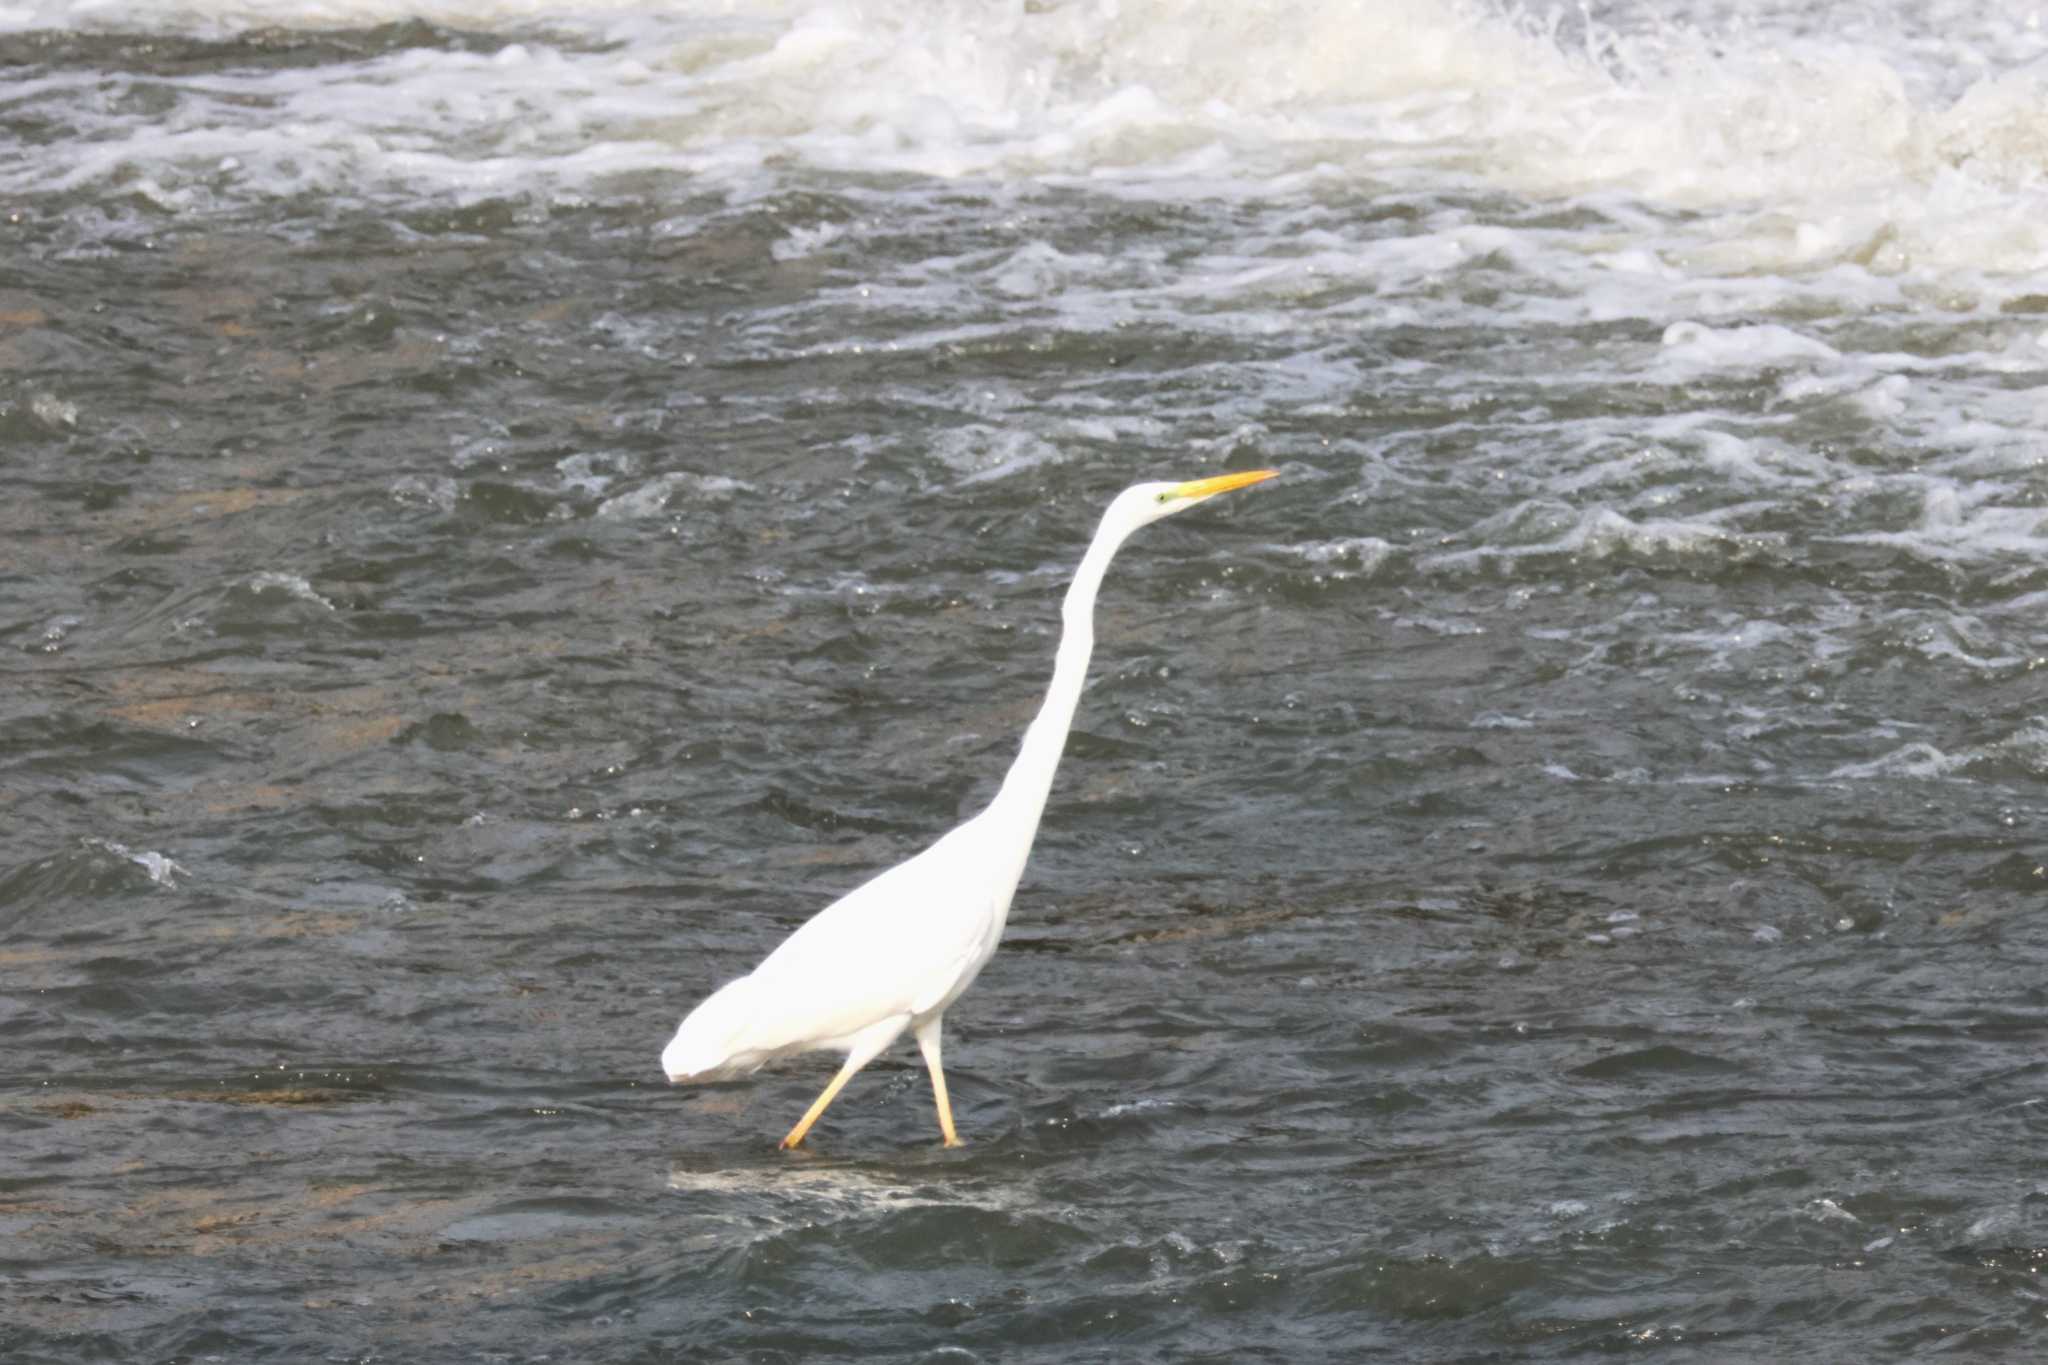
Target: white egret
896, 951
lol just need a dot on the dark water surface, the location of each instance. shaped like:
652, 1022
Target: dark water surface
1557, 874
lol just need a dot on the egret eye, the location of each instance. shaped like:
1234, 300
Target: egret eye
1162, 497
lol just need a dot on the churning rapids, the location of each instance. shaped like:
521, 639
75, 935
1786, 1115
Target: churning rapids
510, 507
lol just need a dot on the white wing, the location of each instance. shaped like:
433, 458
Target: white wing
894, 947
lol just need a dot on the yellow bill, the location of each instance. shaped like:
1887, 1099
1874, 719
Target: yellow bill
1222, 483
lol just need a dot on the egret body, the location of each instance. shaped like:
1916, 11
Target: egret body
895, 952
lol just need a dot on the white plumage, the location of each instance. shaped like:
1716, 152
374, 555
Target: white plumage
896, 951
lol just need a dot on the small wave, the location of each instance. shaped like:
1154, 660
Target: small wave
291, 585
1366, 552
2023, 754
983, 454
161, 869
1828, 1211
836, 1190
416, 490
1546, 530
1692, 349
805, 241
1916, 760
592, 473
94, 867
1959, 525
653, 498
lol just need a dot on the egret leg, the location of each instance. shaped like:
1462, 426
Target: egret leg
867, 1045
928, 1044
803, 1125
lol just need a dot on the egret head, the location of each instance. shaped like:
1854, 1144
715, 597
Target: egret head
1149, 502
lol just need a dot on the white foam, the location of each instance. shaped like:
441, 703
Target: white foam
1828, 1211
162, 870
53, 412
1966, 523
1692, 349
1038, 270
291, 585
594, 471
806, 1193
806, 241
1749, 193
1366, 552
1913, 760
1885, 398
1911, 141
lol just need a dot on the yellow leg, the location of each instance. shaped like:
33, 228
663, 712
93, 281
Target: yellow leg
928, 1043
803, 1125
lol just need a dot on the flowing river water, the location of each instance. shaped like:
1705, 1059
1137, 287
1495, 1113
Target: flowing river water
510, 507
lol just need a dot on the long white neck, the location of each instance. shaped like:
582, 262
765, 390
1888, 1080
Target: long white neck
1025, 787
